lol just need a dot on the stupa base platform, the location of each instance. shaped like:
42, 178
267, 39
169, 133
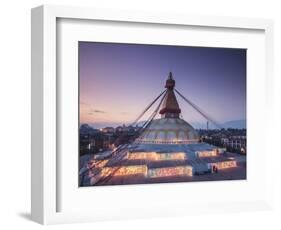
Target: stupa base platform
228, 167
237, 173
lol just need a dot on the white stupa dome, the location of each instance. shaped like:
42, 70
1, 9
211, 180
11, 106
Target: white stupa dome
168, 131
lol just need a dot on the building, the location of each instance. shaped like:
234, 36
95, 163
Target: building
110, 130
167, 149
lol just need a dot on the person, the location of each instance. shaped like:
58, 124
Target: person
215, 169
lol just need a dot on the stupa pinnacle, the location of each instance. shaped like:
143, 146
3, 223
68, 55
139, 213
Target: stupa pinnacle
170, 107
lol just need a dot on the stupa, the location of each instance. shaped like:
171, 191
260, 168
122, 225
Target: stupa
168, 149
169, 129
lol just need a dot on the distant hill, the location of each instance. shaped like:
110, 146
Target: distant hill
235, 124
200, 125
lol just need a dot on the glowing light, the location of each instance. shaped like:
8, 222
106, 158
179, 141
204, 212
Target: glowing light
153, 156
211, 153
172, 156
141, 156
125, 170
224, 164
170, 171
100, 164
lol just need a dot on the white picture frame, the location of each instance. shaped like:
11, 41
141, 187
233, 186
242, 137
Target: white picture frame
45, 90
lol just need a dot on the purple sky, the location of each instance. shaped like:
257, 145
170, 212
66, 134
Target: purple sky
117, 81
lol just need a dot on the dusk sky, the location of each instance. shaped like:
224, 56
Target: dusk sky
117, 81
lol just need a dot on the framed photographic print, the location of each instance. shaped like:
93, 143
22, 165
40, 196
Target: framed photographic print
140, 114
166, 142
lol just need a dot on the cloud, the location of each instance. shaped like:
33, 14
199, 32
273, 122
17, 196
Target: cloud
124, 113
96, 111
83, 103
